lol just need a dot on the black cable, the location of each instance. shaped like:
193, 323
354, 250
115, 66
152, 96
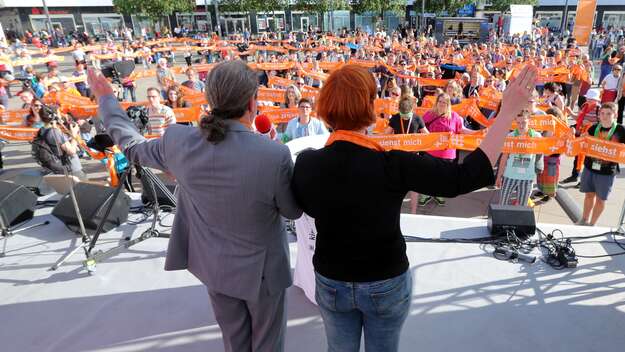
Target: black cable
146, 213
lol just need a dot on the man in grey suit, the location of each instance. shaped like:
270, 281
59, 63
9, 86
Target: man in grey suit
234, 188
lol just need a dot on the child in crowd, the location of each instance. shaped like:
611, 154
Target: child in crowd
519, 170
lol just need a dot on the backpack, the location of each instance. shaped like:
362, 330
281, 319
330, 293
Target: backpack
139, 116
44, 154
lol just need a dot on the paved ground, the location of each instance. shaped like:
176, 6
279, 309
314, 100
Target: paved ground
17, 159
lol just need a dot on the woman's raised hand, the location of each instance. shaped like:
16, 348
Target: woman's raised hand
517, 95
100, 86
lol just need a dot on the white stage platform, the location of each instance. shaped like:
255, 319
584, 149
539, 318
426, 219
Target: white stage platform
463, 300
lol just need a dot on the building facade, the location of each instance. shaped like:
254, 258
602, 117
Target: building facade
98, 17
610, 13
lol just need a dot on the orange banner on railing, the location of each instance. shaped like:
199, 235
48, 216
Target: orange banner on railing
191, 114
601, 149
490, 98
273, 66
279, 81
17, 133
272, 95
386, 106
13, 117
281, 115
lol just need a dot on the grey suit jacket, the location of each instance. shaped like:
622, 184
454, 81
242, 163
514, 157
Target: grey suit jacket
228, 230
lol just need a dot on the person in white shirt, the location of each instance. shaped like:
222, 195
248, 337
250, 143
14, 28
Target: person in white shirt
610, 84
78, 54
304, 125
159, 116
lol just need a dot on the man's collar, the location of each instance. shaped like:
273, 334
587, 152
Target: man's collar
236, 125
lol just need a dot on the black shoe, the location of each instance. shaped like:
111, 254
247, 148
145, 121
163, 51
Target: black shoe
569, 179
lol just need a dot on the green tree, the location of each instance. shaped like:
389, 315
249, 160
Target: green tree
322, 6
380, 6
154, 9
504, 5
438, 6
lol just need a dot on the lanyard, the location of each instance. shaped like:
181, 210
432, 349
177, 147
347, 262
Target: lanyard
610, 133
401, 122
354, 137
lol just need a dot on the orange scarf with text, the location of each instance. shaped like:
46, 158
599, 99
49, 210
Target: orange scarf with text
354, 137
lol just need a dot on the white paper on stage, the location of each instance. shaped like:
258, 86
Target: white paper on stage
311, 142
304, 276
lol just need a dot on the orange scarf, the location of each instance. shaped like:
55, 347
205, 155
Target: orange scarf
355, 138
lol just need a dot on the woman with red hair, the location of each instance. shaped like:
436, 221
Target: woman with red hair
354, 189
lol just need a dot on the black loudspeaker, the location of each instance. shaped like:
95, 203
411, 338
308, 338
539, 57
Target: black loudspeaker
33, 180
147, 195
147, 191
503, 219
93, 200
17, 204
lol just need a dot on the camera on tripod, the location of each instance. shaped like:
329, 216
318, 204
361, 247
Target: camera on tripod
117, 71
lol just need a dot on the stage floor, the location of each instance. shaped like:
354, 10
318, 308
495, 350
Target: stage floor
463, 299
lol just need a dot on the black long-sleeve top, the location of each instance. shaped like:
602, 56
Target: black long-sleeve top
355, 195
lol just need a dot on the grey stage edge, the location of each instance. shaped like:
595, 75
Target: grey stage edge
463, 298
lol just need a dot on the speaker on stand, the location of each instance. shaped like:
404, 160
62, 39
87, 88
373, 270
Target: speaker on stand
158, 191
17, 205
94, 200
34, 181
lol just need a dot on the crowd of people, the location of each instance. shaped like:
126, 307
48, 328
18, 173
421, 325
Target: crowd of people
403, 63
331, 85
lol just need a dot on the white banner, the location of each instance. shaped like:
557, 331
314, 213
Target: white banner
521, 19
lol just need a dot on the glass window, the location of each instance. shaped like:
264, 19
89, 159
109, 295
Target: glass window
185, 20
613, 19
366, 22
201, 24
551, 19
267, 22
391, 21
101, 23
301, 21
64, 22
139, 22
234, 23
340, 20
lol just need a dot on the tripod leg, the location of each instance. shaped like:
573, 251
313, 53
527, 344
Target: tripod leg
98, 231
4, 245
65, 258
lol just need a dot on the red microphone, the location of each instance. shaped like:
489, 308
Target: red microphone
263, 124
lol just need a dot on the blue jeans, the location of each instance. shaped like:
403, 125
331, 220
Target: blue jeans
378, 307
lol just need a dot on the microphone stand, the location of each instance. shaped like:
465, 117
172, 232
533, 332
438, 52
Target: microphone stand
154, 184
83, 232
6, 232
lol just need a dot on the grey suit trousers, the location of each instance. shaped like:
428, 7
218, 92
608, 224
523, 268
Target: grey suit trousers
251, 326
